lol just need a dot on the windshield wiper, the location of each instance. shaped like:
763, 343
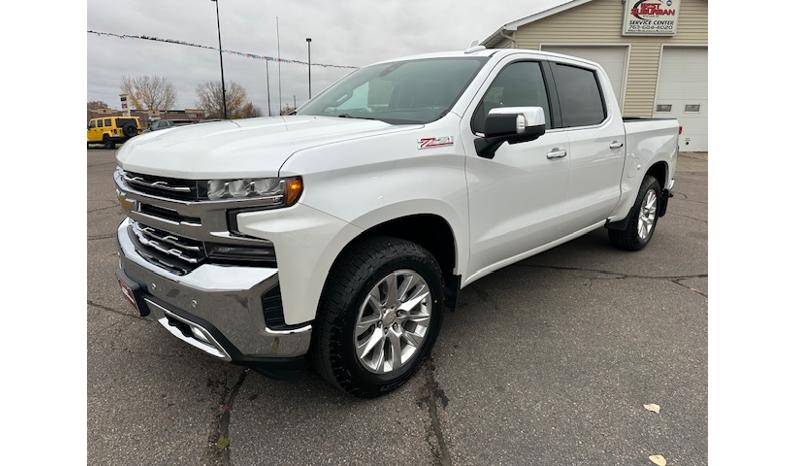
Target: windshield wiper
348, 115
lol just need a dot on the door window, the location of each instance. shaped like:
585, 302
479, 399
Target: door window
520, 84
579, 95
108, 122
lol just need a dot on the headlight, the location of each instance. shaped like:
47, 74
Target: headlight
289, 188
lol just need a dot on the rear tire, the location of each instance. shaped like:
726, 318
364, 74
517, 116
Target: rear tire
643, 218
108, 142
357, 311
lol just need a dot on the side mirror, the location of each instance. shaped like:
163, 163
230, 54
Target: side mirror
512, 125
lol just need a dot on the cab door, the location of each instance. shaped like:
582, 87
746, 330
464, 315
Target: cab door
515, 198
592, 119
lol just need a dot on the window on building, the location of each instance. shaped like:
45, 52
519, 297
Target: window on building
663, 108
579, 95
691, 107
519, 84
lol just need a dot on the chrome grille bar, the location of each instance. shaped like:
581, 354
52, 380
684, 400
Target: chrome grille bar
148, 237
161, 185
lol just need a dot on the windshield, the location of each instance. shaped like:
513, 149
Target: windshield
412, 91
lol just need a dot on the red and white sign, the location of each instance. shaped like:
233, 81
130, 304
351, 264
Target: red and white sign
650, 17
125, 107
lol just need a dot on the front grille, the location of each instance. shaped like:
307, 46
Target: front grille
171, 188
175, 253
181, 255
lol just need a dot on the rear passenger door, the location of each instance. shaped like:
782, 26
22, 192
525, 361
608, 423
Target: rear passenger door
593, 121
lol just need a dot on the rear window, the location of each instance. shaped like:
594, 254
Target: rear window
121, 122
579, 94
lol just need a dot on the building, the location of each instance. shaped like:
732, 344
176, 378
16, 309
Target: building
654, 51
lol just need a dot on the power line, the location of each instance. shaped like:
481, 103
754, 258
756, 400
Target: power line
207, 47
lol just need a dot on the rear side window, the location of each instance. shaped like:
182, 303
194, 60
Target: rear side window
99, 123
121, 122
579, 95
519, 84
108, 122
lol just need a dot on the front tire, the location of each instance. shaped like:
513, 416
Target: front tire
643, 218
379, 316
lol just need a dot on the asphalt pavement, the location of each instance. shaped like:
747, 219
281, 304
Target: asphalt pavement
548, 361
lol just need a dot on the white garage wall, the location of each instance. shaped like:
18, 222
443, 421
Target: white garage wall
614, 58
683, 80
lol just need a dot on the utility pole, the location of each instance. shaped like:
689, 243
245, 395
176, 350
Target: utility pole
294, 102
309, 69
221, 59
278, 65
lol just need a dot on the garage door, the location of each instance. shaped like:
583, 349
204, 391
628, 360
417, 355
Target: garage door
683, 94
613, 59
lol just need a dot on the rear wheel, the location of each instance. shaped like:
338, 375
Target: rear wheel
379, 316
643, 218
108, 142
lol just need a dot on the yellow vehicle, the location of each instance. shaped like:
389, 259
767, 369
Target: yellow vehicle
112, 130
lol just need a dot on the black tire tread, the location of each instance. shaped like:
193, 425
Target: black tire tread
344, 282
628, 239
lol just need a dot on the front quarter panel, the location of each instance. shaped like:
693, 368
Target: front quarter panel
352, 186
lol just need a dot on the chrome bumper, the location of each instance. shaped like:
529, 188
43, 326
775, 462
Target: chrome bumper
216, 308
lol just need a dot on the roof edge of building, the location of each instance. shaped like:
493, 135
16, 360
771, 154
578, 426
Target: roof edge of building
497, 36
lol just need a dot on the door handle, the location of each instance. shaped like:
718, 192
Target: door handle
615, 145
556, 153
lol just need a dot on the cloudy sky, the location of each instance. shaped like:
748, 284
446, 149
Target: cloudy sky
354, 32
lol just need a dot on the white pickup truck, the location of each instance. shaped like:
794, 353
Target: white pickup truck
340, 234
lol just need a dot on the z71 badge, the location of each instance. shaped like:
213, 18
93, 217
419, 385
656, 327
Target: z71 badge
428, 143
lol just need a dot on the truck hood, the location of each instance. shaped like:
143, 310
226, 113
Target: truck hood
255, 147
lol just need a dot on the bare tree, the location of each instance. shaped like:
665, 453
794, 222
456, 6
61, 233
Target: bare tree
211, 101
151, 93
96, 105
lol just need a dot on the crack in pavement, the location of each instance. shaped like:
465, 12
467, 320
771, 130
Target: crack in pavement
434, 393
676, 279
99, 237
616, 275
219, 443
699, 292
103, 208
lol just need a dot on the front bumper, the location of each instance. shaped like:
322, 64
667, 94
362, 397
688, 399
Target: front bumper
216, 308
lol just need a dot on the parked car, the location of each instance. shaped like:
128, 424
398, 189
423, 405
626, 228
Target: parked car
110, 131
155, 125
342, 232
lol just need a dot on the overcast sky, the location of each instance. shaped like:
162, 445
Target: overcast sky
348, 33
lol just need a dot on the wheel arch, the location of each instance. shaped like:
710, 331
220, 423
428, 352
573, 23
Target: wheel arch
432, 231
660, 171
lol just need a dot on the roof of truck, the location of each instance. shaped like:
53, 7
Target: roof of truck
481, 52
